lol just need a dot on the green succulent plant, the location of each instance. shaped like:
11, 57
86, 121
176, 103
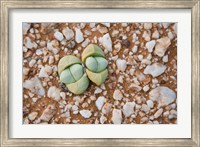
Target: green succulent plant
96, 64
71, 71
72, 74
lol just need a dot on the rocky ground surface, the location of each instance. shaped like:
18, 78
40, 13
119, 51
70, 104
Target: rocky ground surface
141, 85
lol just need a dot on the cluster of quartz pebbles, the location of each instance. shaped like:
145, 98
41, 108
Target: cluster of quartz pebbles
72, 73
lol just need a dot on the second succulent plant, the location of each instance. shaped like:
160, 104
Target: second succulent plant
71, 71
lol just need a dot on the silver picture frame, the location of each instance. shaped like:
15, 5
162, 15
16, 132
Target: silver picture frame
7, 5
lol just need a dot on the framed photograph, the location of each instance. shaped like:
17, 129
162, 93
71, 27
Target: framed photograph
100, 73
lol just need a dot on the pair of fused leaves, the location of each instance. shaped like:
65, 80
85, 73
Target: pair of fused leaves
72, 73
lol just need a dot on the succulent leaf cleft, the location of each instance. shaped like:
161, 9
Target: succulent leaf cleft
71, 71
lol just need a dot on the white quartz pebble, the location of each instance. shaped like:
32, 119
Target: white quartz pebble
99, 102
116, 116
68, 33
79, 36
158, 113
85, 113
54, 92
102, 119
121, 64
106, 42
25, 27
163, 95
150, 45
147, 26
117, 95
150, 103
134, 49
146, 88
128, 109
32, 115
155, 69
106, 108
58, 36
165, 58
161, 46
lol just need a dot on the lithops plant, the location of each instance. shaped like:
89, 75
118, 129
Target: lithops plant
72, 74
96, 64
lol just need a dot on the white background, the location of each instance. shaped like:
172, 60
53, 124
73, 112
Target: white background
180, 130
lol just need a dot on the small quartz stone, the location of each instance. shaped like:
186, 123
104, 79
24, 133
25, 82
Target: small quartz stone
25, 27
135, 87
145, 108
107, 24
146, 88
175, 28
48, 113
150, 45
135, 38
150, 103
132, 71
29, 43
146, 61
161, 46
146, 36
118, 46
92, 25
58, 36
106, 42
115, 33
32, 116
120, 79
63, 95
134, 49
45, 71
103, 119
74, 107
163, 95
117, 95
116, 116
165, 24
128, 109
165, 58
79, 36
38, 52
170, 35
155, 34
158, 113
140, 57
102, 30
147, 26
85, 113
68, 33
106, 108
144, 119
82, 25
99, 102
54, 93
51, 59
32, 63
34, 85
155, 69
121, 64
53, 46
97, 90
85, 43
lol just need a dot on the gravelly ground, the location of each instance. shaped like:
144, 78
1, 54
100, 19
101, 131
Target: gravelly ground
141, 85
